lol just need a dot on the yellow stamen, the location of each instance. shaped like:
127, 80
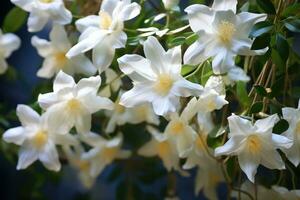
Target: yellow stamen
110, 153
46, 1
254, 144
177, 128
164, 149
211, 105
226, 31
119, 108
105, 20
40, 139
74, 105
61, 59
164, 84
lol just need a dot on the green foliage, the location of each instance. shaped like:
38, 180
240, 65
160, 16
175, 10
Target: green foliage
14, 20
267, 6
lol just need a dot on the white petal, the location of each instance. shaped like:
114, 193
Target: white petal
149, 149
63, 80
137, 95
164, 105
293, 154
248, 164
200, 17
194, 54
239, 126
230, 147
88, 21
243, 47
14, 135
174, 60
3, 65
92, 37
272, 160
47, 100
36, 22
59, 38
62, 16
95, 103
185, 88
118, 40
266, 124
27, 115
24, 4
83, 122
26, 157
237, 74
49, 157
10, 42
83, 65
130, 64
109, 5
281, 141
155, 53
103, 55
130, 11
43, 47
247, 21
48, 68
225, 5
88, 86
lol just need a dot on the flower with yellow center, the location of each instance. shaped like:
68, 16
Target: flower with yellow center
159, 81
223, 34
105, 20
37, 138
254, 144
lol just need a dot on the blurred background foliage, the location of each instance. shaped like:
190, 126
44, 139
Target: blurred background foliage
138, 177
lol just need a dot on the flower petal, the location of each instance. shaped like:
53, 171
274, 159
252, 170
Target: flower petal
63, 80
14, 135
27, 115
103, 55
225, 5
248, 164
49, 157
26, 157
139, 94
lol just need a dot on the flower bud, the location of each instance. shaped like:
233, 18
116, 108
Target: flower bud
170, 4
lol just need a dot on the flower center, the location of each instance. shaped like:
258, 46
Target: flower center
163, 149
119, 108
83, 165
105, 20
226, 31
164, 84
142, 112
46, 1
211, 105
61, 59
40, 139
109, 153
254, 144
74, 105
177, 128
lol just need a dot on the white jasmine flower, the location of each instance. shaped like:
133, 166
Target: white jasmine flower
180, 132
37, 138
8, 43
161, 146
103, 152
223, 34
54, 52
235, 74
287, 194
254, 144
104, 32
72, 104
209, 176
41, 11
170, 4
83, 167
156, 78
292, 115
122, 115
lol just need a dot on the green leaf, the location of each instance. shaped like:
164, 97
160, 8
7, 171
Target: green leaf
241, 91
187, 69
293, 26
276, 58
291, 10
14, 20
191, 39
267, 6
281, 126
176, 41
282, 47
261, 42
256, 107
261, 28
261, 90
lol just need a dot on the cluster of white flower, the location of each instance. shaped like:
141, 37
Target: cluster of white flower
158, 87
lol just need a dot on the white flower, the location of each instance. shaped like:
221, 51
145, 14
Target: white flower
254, 144
235, 74
112, 83
37, 139
156, 78
287, 194
104, 152
170, 4
82, 166
54, 52
161, 146
209, 176
122, 115
41, 11
292, 115
104, 32
72, 104
8, 43
223, 34
180, 132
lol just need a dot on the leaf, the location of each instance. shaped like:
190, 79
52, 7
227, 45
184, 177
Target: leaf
191, 39
261, 90
293, 26
14, 20
291, 10
267, 6
187, 69
261, 42
177, 41
261, 28
280, 126
256, 107
282, 47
